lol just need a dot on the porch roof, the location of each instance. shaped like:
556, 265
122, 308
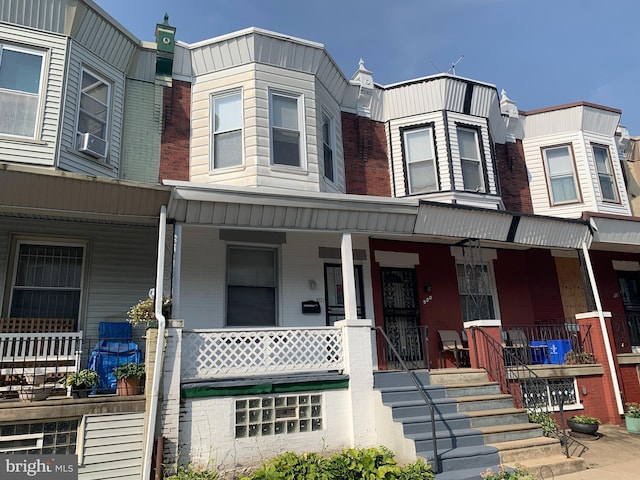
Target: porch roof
36, 192
614, 232
280, 210
460, 221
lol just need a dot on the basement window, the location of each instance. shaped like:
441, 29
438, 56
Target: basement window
539, 393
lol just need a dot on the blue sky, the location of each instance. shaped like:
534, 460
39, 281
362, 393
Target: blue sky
542, 52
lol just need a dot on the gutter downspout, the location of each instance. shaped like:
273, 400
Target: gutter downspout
157, 366
603, 326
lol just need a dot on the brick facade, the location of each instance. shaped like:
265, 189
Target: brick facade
366, 164
514, 181
174, 152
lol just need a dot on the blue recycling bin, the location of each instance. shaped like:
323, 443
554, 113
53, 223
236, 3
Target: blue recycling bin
538, 350
557, 350
115, 347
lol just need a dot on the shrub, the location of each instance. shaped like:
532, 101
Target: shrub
518, 473
585, 420
129, 369
548, 424
192, 473
351, 464
82, 379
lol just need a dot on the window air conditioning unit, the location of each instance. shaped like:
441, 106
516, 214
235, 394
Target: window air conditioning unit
92, 145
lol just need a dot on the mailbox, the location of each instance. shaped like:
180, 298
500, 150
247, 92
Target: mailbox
311, 306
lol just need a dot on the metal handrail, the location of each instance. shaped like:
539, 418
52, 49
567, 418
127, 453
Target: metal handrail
422, 393
512, 363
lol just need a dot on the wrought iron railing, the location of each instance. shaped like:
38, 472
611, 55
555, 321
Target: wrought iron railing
419, 387
208, 354
410, 341
552, 343
626, 331
528, 390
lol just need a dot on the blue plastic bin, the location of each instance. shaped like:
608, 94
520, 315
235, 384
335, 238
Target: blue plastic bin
557, 350
538, 351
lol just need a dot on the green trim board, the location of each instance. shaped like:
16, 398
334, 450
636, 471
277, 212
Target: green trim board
262, 388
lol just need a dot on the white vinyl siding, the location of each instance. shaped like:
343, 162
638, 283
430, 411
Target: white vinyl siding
286, 126
561, 175
20, 90
420, 160
606, 178
226, 112
470, 160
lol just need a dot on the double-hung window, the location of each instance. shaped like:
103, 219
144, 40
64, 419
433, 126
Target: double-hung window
251, 286
561, 174
328, 146
605, 173
285, 129
47, 281
470, 160
20, 88
227, 130
420, 160
93, 114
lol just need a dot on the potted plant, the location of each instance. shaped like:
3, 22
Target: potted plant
632, 417
144, 311
583, 424
81, 382
129, 378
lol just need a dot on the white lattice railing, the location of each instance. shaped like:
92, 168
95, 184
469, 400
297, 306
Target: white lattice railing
229, 353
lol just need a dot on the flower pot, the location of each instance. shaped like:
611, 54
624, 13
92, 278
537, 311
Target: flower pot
633, 424
129, 386
586, 428
29, 393
80, 392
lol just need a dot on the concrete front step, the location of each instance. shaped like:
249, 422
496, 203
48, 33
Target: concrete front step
462, 458
473, 403
457, 376
471, 388
499, 416
384, 379
508, 433
553, 466
520, 450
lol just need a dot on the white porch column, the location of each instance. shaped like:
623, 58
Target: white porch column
358, 364
348, 278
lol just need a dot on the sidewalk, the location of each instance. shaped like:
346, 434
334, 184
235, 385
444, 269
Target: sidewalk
612, 456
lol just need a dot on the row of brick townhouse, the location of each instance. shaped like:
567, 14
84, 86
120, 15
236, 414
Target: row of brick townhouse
341, 255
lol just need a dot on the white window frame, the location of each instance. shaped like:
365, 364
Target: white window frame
608, 174
38, 96
409, 161
37, 439
44, 242
328, 144
562, 175
566, 406
107, 121
477, 162
299, 98
215, 133
275, 287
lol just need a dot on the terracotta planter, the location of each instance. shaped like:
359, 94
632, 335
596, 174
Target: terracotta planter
633, 424
586, 428
129, 386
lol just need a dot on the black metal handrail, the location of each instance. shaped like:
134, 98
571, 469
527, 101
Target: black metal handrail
425, 397
528, 390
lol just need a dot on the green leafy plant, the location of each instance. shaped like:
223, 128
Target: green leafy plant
632, 410
579, 358
584, 419
351, 464
548, 424
128, 370
144, 310
82, 379
517, 473
193, 473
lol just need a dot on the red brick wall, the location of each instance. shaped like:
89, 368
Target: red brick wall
630, 383
174, 150
514, 182
516, 304
366, 166
544, 289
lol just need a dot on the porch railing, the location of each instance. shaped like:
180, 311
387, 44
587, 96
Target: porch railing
410, 341
528, 390
209, 354
552, 343
626, 331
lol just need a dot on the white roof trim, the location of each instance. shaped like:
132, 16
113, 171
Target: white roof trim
250, 31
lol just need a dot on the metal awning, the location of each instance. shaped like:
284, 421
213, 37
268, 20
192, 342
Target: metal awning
273, 209
458, 221
34, 192
615, 232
